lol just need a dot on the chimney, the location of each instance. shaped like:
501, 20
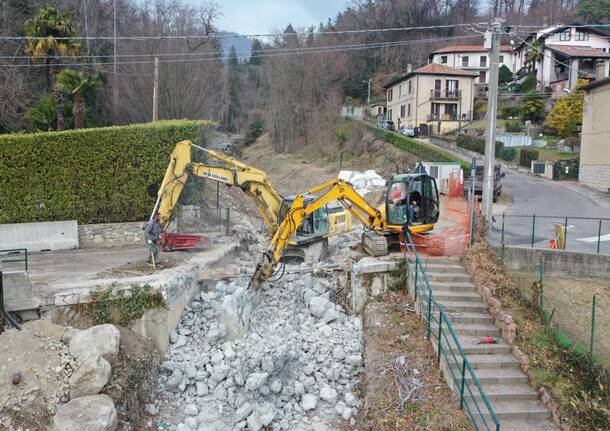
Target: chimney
600, 69
409, 68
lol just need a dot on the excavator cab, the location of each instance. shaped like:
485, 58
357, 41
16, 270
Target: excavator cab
313, 227
412, 199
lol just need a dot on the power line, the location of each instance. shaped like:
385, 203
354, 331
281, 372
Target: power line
293, 51
227, 36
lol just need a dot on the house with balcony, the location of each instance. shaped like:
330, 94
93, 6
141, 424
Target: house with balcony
474, 58
435, 98
560, 55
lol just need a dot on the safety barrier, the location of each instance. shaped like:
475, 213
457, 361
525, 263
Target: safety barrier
13, 251
449, 350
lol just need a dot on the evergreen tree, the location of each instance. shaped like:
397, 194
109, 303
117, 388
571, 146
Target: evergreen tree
594, 11
257, 49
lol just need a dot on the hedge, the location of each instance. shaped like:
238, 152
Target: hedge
98, 175
526, 156
418, 148
476, 144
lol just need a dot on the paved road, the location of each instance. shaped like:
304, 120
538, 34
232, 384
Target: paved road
533, 195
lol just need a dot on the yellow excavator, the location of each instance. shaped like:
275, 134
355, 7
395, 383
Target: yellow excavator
411, 200
307, 241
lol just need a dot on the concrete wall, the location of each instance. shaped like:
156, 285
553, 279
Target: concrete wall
558, 262
595, 150
54, 235
110, 234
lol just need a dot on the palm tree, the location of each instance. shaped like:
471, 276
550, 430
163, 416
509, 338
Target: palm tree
76, 83
51, 32
535, 54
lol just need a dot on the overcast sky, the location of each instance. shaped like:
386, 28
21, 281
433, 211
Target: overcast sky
265, 16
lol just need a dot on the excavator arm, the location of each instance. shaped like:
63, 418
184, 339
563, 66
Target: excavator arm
338, 190
251, 180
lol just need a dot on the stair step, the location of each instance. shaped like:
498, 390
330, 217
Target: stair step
453, 286
471, 348
528, 425
22, 304
469, 317
484, 330
527, 409
447, 295
479, 361
463, 306
503, 376
432, 268
513, 392
448, 276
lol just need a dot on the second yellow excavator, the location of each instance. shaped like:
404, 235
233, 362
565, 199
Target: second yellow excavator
411, 200
307, 242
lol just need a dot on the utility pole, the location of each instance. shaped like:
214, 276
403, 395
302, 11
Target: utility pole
156, 92
115, 91
490, 126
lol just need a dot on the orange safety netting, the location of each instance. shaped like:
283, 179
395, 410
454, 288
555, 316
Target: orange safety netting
451, 234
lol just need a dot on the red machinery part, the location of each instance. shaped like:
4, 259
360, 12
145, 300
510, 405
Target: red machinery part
178, 241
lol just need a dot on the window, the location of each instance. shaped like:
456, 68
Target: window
410, 88
409, 110
483, 61
565, 35
443, 59
465, 61
451, 110
390, 114
501, 59
402, 111
437, 88
452, 87
390, 95
582, 36
482, 77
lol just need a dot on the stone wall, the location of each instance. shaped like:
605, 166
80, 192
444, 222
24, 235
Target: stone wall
110, 234
595, 176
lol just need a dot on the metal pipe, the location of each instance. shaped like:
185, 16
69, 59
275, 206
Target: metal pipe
599, 235
592, 326
533, 228
565, 234
440, 333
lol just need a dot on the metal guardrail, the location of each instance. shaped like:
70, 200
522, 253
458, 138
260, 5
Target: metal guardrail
557, 228
12, 251
472, 397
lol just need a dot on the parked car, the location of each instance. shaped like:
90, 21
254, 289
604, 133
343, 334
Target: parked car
406, 130
386, 124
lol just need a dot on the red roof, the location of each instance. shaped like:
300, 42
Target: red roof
469, 48
579, 51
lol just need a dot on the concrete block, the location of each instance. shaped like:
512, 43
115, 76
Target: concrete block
55, 235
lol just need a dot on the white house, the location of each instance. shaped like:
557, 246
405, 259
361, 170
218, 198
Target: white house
568, 52
474, 58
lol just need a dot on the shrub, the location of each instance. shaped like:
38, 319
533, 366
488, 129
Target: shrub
532, 108
527, 84
567, 113
504, 75
418, 148
526, 157
476, 144
510, 112
508, 154
514, 126
100, 175
255, 130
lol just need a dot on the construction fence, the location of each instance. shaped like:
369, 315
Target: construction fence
578, 309
579, 234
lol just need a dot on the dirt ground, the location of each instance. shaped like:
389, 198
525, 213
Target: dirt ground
397, 351
571, 298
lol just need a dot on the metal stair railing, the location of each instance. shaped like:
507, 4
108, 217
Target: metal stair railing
449, 349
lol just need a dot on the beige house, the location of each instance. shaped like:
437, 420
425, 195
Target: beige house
474, 58
595, 138
435, 98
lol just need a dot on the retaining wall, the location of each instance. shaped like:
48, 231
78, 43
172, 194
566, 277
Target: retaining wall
52, 235
110, 234
557, 262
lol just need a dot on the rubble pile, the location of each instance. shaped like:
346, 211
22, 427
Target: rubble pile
293, 367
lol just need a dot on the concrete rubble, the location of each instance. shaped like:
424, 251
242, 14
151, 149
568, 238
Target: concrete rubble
295, 366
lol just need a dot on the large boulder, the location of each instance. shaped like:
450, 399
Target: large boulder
235, 314
93, 413
89, 377
101, 340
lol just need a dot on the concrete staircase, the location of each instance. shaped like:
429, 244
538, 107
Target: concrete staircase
515, 403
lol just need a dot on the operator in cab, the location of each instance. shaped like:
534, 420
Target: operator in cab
151, 234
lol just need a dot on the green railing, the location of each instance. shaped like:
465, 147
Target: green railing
23, 252
473, 399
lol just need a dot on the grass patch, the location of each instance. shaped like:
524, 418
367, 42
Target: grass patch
120, 306
580, 386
